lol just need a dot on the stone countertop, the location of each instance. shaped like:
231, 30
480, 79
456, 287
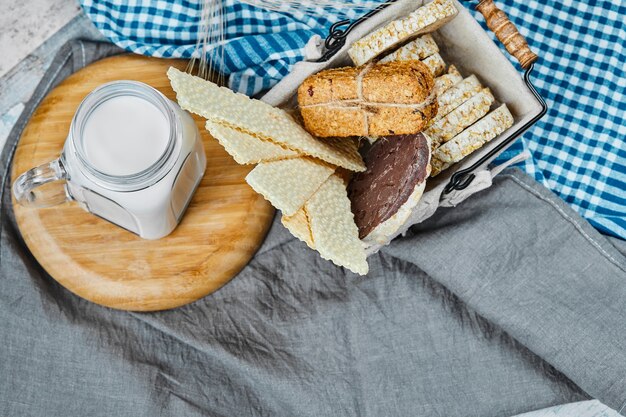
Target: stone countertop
32, 33
26, 25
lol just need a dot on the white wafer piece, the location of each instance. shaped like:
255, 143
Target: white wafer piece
458, 119
258, 119
245, 148
418, 49
426, 19
289, 183
299, 226
445, 81
455, 96
335, 235
435, 64
471, 139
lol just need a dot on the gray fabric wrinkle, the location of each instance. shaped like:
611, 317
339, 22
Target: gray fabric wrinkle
440, 327
621, 263
480, 327
477, 297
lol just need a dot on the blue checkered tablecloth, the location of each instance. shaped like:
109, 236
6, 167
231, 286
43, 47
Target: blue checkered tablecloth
261, 45
578, 150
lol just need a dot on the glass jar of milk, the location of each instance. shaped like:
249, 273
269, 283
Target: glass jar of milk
132, 157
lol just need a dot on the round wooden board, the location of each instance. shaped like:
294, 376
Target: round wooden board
222, 229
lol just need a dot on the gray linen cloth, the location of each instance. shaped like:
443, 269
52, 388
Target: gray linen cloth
508, 303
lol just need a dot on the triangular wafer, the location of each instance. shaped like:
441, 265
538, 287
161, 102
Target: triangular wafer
245, 148
289, 183
335, 234
258, 119
426, 19
299, 226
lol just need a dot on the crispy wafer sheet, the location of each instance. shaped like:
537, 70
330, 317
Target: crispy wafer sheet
246, 148
335, 234
289, 183
313, 201
258, 119
299, 226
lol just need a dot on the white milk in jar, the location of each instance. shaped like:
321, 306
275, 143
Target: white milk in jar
125, 135
132, 157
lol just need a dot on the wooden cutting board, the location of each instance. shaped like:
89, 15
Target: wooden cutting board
222, 229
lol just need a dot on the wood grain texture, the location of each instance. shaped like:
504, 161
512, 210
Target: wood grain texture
507, 33
224, 225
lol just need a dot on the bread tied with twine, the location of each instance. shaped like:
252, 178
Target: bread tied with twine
376, 99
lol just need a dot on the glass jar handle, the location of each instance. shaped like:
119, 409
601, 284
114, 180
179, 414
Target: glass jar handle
34, 189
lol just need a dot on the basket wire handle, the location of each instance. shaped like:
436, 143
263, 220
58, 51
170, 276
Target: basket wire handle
507, 33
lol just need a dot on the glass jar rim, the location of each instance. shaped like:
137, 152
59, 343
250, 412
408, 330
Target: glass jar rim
145, 177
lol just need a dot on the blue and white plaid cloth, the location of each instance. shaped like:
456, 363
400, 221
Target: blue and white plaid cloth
578, 150
261, 45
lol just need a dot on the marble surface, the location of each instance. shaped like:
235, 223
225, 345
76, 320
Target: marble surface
29, 44
27, 24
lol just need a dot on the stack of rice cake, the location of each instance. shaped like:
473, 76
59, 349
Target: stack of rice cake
463, 122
